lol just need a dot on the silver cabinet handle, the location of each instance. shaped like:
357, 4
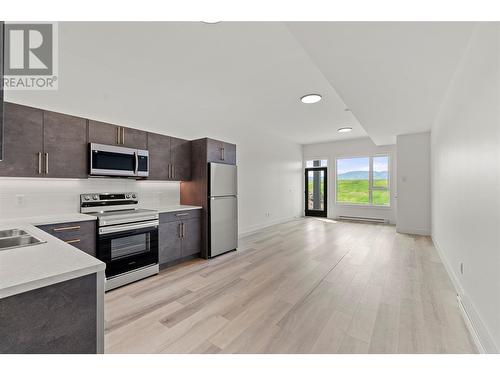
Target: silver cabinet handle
73, 241
183, 230
185, 214
123, 136
173, 171
117, 135
223, 153
62, 229
168, 170
180, 230
39, 163
46, 163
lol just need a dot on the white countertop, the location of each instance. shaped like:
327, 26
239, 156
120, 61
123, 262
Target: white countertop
173, 208
32, 267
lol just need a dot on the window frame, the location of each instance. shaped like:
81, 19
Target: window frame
370, 182
314, 159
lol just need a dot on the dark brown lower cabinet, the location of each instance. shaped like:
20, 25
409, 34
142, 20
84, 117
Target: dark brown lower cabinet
81, 234
170, 242
191, 242
179, 238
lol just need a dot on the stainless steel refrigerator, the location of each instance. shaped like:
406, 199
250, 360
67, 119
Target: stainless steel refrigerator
223, 208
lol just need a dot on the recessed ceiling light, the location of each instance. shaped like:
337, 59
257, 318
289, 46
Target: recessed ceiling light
310, 98
346, 129
211, 22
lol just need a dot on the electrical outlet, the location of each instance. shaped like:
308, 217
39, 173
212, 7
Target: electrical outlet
461, 268
19, 200
268, 214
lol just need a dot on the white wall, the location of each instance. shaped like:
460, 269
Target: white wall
25, 197
350, 148
176, 94
414, 184
465, 146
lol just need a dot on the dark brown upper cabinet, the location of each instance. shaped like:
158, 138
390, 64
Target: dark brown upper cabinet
103, 133
23, 141
65, 146
221, 152
43, 144
134, 138
181, 159
109, 134
159, 157
170, 158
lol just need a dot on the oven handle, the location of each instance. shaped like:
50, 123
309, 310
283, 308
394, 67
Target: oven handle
126, 227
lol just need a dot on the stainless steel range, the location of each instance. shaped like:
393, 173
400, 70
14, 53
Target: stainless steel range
127, 237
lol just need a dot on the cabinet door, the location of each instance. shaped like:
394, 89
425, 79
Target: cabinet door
229, 153
23, 141
159, 156
214, 150
65, 146
103, 133
134, 138
221, 152
81, 234
191, 242
170, 242
181, 159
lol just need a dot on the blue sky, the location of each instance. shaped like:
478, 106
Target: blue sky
361, 164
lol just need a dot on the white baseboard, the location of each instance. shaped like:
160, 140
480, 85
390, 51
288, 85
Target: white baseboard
480, 334
420, 232
256, 228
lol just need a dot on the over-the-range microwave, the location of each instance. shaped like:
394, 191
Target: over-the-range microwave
116, 161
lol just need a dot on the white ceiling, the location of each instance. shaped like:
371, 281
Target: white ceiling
192, 79
392, 75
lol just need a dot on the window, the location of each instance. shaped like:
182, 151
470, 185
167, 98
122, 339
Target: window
363, 180
316, 163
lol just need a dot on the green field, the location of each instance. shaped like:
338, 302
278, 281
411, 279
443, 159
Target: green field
356, 191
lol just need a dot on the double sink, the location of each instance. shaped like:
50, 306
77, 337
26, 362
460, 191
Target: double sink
13, 238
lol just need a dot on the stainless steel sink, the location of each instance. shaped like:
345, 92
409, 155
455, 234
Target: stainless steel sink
12, 233
13, 238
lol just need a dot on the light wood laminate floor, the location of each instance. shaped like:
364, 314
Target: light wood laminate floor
306, 286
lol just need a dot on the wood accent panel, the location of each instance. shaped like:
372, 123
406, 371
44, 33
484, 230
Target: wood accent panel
195, 191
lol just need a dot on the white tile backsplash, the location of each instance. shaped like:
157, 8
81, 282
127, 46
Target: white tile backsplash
23, 197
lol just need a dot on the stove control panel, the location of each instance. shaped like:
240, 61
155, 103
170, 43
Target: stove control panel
103, 200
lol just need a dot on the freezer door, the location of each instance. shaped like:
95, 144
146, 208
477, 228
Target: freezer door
223, 224
223, 180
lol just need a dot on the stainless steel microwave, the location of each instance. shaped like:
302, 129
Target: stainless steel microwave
116, 161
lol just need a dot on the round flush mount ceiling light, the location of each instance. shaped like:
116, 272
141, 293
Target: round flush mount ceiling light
310, 98
211, 22
345, 129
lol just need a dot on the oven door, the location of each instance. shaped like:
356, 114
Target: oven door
112, 160
127, 247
